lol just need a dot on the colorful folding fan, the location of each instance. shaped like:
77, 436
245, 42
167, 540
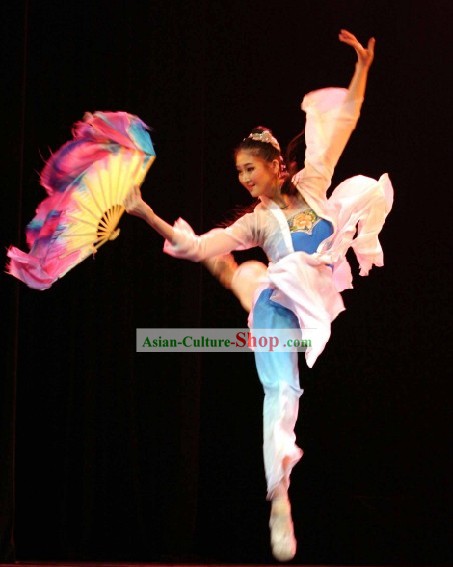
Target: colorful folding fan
86, 180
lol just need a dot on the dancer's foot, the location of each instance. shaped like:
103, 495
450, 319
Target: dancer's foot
283, 542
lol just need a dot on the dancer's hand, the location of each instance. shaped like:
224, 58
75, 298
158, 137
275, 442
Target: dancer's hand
135, 205
365, 56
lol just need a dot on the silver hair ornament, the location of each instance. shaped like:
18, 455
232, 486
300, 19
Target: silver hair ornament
266, 137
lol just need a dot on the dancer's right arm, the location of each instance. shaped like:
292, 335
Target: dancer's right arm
136, 206
182, 242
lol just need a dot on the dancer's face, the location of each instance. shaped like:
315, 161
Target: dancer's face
258, 176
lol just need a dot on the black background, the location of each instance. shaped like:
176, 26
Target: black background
107, 454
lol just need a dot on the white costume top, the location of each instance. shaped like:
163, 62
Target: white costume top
308, 284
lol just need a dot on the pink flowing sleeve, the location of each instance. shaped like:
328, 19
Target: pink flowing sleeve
190, 246
330, 120
360, 206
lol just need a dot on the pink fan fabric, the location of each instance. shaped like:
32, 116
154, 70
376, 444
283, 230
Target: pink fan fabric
94, 138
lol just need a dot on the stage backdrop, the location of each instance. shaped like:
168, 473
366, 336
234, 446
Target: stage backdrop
109, 454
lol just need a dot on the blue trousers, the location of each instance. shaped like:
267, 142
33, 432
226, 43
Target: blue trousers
279, 375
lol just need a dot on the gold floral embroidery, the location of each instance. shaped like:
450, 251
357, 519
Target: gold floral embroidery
303, 221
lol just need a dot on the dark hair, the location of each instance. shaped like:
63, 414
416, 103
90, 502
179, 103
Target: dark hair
268, 152
264, 150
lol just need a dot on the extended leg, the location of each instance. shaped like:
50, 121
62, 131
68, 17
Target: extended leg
279, 375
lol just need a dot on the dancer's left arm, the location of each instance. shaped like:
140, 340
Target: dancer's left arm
331, 116
365, 58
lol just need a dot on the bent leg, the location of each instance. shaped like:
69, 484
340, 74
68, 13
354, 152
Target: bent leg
243, 279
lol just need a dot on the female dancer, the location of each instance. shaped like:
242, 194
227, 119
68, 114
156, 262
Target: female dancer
305, 236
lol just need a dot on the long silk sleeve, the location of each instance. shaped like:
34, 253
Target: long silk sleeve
330, 120
189, 246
